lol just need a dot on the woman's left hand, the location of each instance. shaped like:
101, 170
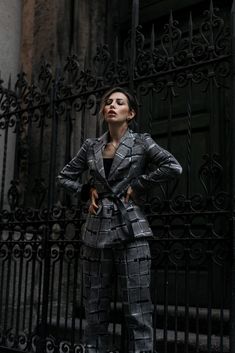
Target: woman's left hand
129, 194
94, 201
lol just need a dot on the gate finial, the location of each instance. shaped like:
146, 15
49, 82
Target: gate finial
9, 82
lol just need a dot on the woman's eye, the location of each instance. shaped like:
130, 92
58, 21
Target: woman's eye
108, 102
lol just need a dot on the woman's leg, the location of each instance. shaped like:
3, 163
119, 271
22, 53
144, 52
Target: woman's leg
97, 269
133, 267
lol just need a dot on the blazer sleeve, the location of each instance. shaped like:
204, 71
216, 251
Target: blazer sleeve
70, 175
167, 167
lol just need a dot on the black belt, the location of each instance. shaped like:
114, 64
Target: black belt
116, 199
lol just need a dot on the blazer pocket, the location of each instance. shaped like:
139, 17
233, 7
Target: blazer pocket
134, 212
92, 223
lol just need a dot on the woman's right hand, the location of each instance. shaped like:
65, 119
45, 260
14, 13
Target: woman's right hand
93, 198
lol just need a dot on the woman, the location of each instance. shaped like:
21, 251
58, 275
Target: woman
116, 231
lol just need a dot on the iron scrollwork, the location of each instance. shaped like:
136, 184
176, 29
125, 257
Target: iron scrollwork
192, 230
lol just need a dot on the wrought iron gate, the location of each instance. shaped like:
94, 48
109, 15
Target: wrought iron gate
182, 80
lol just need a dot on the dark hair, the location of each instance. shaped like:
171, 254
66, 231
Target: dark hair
132, 101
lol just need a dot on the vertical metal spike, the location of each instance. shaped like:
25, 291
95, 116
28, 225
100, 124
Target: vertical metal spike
86, 61
171, 18
232, 320
190, 30
116, 49
211, 7
135, 21
135, 13
153, 38
211, 13
171, 21
9, 82
32, 79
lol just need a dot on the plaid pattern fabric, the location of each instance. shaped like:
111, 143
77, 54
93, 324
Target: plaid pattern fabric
131, 263
135, 153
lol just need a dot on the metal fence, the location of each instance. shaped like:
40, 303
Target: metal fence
182, 80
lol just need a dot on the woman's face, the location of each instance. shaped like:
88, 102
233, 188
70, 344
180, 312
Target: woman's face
116, 109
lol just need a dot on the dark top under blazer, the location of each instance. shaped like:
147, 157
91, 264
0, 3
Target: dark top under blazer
135, 152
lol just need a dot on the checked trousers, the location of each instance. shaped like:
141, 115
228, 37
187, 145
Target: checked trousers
131, 263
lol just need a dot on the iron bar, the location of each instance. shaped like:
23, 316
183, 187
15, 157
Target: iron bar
75, 286
83, 119
53, 147
19, 289
7, 283
189, 139
32, 289
40, 152
166, 283
155, 317
51, 286
197, 315
1, 292
12, 317
209, 305
222, 318
68, 135
59, 288
67, 297
25, 284
16, 154
176, 310
189, 113
187, 298
39, 296
232, 325
41, 346
134, 24
4, 164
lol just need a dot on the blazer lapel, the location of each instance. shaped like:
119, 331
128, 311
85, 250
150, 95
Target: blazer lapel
98, 148
122, 152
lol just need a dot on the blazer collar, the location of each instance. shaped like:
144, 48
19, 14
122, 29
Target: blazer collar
98, 148
122, 151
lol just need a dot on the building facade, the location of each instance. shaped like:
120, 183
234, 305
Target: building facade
179, 64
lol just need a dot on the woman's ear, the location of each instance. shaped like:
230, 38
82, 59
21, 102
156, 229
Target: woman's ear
131, 115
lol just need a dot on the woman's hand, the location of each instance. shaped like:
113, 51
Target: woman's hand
129, 194
94, 198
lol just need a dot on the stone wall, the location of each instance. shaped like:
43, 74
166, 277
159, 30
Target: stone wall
56, 28
10, 39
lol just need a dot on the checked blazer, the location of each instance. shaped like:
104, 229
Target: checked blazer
136, 151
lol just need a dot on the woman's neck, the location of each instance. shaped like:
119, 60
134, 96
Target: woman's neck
116, 133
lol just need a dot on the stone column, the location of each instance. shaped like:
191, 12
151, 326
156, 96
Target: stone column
10, 37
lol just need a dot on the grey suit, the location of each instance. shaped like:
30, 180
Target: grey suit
135, 152
117, 235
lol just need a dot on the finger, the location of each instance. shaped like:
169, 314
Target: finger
127, 197
94, 201
91, 209
95, 193
94, 197
94, 204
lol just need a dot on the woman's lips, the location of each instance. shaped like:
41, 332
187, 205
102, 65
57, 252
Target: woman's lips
112, 112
